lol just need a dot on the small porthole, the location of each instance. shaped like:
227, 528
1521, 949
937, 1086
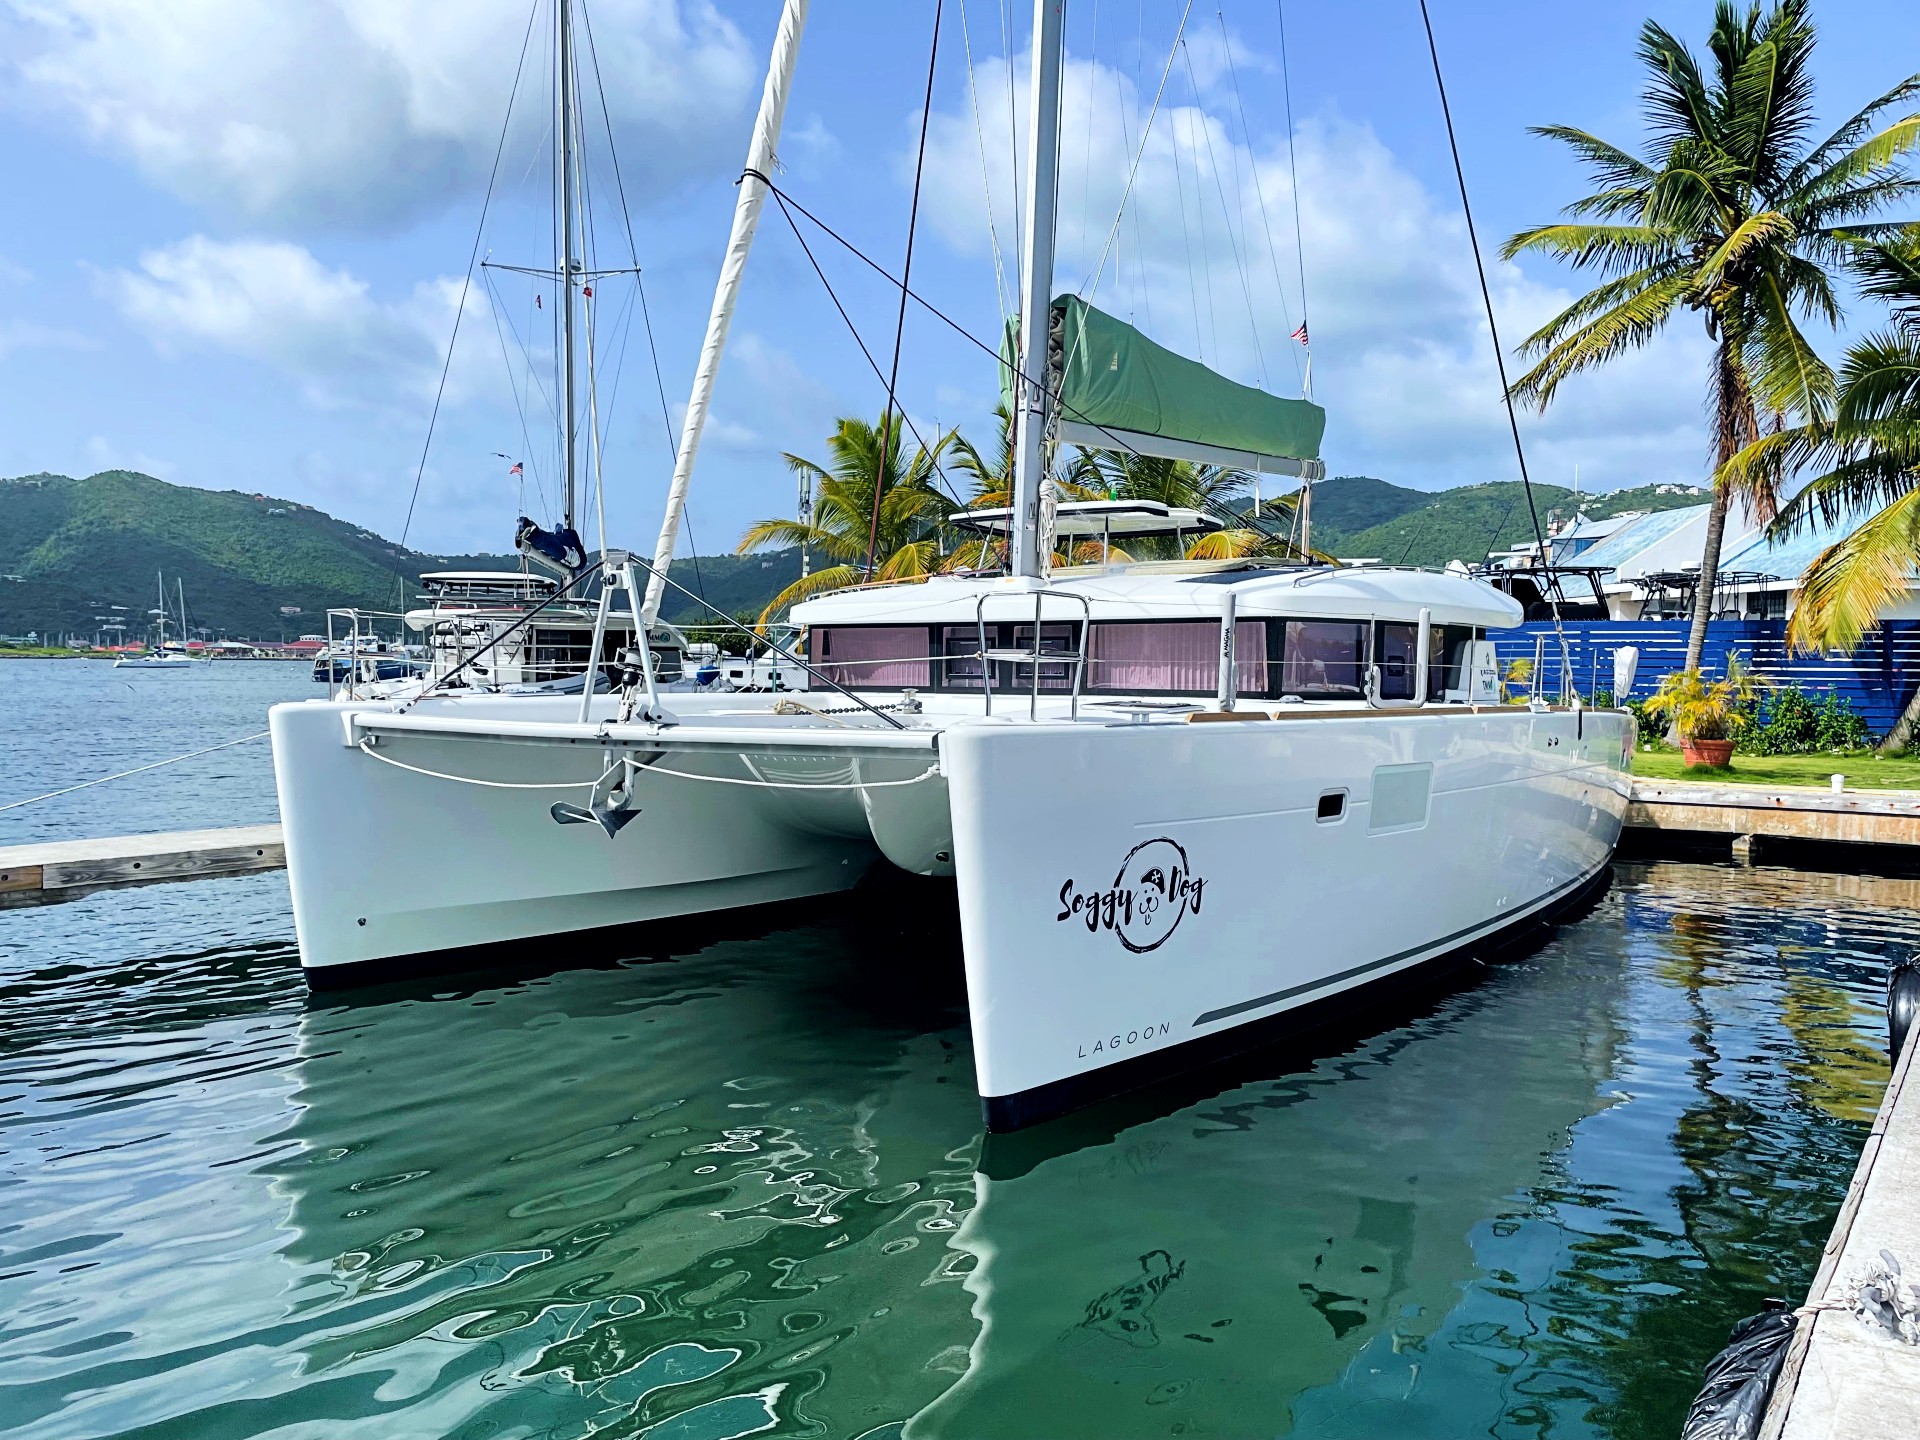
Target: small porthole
1333, 806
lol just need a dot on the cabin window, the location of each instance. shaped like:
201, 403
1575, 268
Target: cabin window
871, 657
1397, 655
1174, 656
1323, 659
1448, 660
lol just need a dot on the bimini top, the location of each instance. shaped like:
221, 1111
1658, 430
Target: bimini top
1118, 390
1100, 517
1176, 591
462, 583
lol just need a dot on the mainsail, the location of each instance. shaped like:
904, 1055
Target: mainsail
1114, 389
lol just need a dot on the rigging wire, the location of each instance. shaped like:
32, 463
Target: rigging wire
1206, 244
460, 309
986, 174
1231, 518
1259, 190
1499, 354
513, 384
1186, 235
906, 273
640, 287
854, 330
1133, 171
1293, 172
1226, 212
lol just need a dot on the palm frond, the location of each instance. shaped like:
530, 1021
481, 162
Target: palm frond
1628, 325
783, 534
1844, 592
1614, 248
1871, 159
834, 577
1848, 135
1784, 370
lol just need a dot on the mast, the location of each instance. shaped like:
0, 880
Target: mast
1030, 402
563, 123
746, 217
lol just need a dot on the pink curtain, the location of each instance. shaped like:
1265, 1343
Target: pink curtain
873, 657
1174, 655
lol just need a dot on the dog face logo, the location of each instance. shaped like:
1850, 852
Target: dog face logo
1153, 892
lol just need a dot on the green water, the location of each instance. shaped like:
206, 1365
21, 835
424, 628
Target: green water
742, 1191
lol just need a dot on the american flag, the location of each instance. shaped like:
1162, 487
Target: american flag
1301, 334
518, 469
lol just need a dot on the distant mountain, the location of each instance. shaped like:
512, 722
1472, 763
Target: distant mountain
1356, 517
72, 551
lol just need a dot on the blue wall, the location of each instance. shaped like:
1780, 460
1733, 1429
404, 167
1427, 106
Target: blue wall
1878, 677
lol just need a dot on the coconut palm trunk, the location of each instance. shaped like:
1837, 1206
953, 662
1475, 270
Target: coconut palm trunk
1734, 429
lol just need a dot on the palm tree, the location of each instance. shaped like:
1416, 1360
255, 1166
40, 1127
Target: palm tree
1869, 455
1733, 215
905, 541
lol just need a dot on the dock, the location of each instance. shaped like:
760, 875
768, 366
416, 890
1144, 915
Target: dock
51, 871
1845, 1378
1752, 814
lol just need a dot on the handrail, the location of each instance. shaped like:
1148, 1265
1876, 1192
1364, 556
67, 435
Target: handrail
1078, 661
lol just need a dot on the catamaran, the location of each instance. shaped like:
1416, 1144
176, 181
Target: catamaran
1184, 805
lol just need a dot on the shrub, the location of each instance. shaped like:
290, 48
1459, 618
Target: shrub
1791, 722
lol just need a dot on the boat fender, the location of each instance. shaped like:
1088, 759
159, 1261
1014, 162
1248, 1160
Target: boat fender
1740, 1379
1903, 1003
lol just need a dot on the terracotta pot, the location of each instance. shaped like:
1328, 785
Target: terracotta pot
1717, 753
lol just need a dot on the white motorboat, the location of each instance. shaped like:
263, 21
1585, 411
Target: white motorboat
1184, 805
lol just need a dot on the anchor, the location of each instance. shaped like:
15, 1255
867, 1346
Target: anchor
608, 807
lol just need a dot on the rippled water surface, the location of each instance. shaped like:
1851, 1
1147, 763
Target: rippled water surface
741, 1189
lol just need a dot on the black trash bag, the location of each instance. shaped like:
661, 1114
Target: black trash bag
1739, 1380
559, 548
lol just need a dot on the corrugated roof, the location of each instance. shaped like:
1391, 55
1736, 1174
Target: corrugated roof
1788, 557
1619, 548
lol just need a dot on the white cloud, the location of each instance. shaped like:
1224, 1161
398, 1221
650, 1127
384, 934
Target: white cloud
18, 335
1402, 358
364, 112
103, 454
274, 303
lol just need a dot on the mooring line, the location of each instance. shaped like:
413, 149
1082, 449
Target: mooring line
137, 770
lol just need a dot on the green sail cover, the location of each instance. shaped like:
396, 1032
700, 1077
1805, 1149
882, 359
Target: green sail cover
1117, 378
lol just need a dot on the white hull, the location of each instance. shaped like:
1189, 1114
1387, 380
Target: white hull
1455, 827
1500, 814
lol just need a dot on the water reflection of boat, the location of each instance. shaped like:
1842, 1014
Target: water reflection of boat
633, 1192
1204, 1269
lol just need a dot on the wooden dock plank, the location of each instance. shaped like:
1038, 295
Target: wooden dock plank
47, 869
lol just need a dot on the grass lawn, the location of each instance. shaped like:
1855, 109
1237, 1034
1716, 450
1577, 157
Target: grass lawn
1864, 770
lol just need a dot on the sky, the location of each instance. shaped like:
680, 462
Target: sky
239, 234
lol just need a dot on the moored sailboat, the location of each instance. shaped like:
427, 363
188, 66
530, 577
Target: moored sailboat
1185, 804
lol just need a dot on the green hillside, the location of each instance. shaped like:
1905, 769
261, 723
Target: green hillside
1466, 523
74, 550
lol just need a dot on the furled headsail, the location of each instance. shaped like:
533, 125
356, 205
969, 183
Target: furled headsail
1114, 389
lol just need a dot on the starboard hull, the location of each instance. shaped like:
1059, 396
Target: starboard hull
1136, 899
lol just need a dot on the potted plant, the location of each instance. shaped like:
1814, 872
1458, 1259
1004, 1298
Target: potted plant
1707, 714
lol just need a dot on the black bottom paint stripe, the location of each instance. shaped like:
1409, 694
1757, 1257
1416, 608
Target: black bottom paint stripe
1260, 1002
